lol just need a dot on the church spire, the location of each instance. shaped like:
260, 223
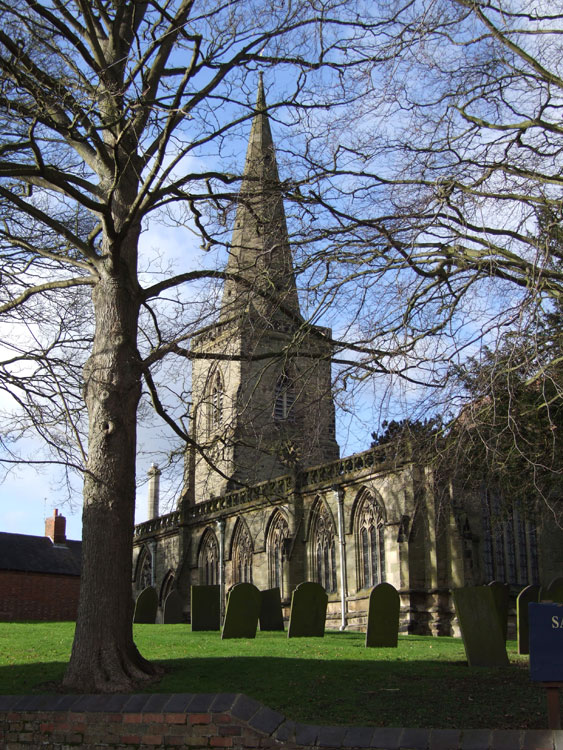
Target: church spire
260, 251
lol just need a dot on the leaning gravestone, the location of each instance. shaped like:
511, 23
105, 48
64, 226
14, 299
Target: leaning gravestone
383, 617
553, 592
527, 595
501, 594
308, 611
243, 609
146, 606
480, 627
271, 615
172, 611
206, 607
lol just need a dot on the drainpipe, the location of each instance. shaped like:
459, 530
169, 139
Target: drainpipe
221, 530
341, 536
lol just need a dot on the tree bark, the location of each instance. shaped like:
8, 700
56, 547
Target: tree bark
104, 657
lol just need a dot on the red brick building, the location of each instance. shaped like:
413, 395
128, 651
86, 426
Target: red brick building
40, 575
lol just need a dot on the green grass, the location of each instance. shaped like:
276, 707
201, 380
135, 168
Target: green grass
425, 682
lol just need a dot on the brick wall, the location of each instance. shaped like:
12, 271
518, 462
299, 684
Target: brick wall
38, 596
208, 721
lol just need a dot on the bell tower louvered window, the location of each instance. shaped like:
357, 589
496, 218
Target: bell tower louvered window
284, 399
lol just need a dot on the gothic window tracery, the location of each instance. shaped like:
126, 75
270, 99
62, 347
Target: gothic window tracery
284, 398
166, 588
209, 559
277, 537
242, 554
144, 569
370, 547
214, 402
323, 548
508, 544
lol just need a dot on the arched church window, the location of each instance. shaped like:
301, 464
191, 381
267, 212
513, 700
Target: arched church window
370, 547
166, 588
242, 552
284, 398
277, 537
323, 548
214, 402
209, 559
144, 569
508, 543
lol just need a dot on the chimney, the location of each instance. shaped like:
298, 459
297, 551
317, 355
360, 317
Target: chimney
55, 528
154, 490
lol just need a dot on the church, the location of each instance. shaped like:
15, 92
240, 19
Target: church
267, 498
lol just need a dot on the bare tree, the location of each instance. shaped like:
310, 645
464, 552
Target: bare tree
113, 111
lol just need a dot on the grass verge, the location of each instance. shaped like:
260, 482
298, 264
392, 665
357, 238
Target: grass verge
425, 682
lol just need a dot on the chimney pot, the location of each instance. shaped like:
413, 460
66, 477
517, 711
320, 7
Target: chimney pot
55, 528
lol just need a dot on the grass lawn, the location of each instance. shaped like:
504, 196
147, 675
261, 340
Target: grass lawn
425, 682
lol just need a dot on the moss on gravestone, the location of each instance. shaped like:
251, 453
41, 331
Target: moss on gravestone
243, 609
308, 611
206, 607
383, 617
480, 627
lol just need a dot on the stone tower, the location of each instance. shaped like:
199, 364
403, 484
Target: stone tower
261, 378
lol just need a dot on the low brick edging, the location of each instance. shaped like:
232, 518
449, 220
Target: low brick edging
217, 720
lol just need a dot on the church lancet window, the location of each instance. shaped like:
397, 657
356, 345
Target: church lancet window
214, 401
242, 552
277, 539
508, 544
144, 569
323, 548
166, 588
284, 398
370, 547
209, 559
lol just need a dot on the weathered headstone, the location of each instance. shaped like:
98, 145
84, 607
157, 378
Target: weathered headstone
480, 627
308, 611
383, 617
501, 595
146, 606
241, 614
172, 612
527, 595
206, 607
271, 615
553, 592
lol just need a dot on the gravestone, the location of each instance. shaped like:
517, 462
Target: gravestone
308, 611
243, 609
501, 594
146, 606
271, 615
553, 592
206, 607
480, 627
527, 595
172, 612
383, 617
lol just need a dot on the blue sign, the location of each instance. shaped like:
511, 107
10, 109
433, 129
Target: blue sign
546, 642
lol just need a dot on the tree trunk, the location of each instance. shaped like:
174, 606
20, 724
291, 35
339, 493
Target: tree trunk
104, 657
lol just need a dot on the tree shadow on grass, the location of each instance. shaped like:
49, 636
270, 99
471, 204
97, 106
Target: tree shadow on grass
378, 692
